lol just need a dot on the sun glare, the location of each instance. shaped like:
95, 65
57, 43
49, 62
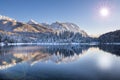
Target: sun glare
104, 62
104, 12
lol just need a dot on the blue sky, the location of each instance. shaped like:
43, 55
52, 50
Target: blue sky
84, 13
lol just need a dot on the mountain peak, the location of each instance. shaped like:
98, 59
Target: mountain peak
6, 18
31, 21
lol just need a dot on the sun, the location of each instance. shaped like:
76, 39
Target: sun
104, 12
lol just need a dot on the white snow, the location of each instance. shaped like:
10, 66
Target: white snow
31, 21
6, 18
2, 44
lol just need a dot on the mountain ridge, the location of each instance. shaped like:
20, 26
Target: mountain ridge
110, 37
14, 31
33, 26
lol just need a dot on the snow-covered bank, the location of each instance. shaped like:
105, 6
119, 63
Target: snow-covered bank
112, 43
92, 44
2, 44
38, 43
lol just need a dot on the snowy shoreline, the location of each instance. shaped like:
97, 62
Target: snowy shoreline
112, 43
94, 43
3, 44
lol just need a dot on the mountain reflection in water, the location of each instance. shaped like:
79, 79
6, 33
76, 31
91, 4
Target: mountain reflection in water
18, 54
60, 62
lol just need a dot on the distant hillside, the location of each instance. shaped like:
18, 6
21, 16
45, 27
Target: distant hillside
110, 37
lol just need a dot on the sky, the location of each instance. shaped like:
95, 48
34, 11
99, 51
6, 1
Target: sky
84, 13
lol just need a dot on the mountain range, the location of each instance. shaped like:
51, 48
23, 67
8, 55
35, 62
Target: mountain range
12, 25
13, 31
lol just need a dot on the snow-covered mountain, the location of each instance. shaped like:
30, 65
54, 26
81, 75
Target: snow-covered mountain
11, 25
68, 27
65, 26
36, 32
14, 26
61, 27
38, 26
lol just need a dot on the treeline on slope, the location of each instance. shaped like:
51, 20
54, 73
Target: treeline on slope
40, 37
111, 37
58, 37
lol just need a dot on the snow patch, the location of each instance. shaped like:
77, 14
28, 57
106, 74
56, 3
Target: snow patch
31, 21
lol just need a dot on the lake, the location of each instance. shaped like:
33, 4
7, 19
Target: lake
64, 62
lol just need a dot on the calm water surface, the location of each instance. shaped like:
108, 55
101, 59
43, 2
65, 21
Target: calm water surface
60, 62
